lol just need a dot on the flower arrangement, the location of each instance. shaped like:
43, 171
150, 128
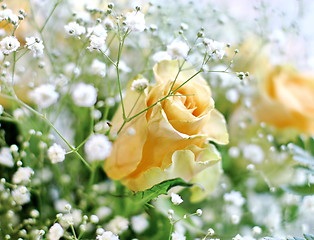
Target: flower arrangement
154, 120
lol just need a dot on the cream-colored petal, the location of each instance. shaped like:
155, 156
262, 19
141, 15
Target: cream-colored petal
127, 149
216, 128
205, 182
162, 141
185, 164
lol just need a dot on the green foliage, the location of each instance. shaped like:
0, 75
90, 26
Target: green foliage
159, 189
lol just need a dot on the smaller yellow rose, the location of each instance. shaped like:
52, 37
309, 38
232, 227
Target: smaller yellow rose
287, 99
169, 140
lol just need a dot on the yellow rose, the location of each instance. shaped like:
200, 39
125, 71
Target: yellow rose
169, 140
287, 99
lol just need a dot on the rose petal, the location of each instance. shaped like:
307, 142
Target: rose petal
216, 128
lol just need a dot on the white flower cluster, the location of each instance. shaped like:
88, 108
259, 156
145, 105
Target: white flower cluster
176, 199
35, 45
21, 195
84, 95
99, 68
22, 175
9, 44
98, 36
6, 158
107, 235
139, 84
97, 147
44, 95
56, 153
178, 49
74, 29
8, 15
215, 47
118, 225
55, 232
135, 21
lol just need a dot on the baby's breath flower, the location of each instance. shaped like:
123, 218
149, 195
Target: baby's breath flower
235, 198
107, 235
22, 175
108, 23
98, 31
135, 21
199, 212
139, 223
177, 236
139, 84
84, 95
74, 29
178, 49
97, 43
9, 44
215, 47
161, 56
97, 147
176, 199
99, 68
118, 225
56, 153
6, 158
21, 195
55, 232
237, 237
44, 95
253, 152
35, 45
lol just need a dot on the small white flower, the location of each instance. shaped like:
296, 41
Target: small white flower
74, 29
97, 43
94, 219
139, 223
101, 126
161, 56
84, 95
98, 31
215, 47
107, 235
235, 198
178, 49
99, 68
139, 84
177, 236
21, 195
56, 153
1, 56
108, 23
135, 21
55, 232
233, 95
97, 147
9, 44
35, 45
176, 199
8, 15
118, 225
237, 237
22, 175
6, 158
253, 153
44, 95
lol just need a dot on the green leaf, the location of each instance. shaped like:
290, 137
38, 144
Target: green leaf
301, 156
308, 236
271, 238
303, 190
297, 238
158, 189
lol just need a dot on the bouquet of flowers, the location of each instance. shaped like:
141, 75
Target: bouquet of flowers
156, 120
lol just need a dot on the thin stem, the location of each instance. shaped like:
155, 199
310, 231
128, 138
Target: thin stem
50, 15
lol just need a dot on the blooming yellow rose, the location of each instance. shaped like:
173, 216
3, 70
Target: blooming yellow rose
287, 99
169, 140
